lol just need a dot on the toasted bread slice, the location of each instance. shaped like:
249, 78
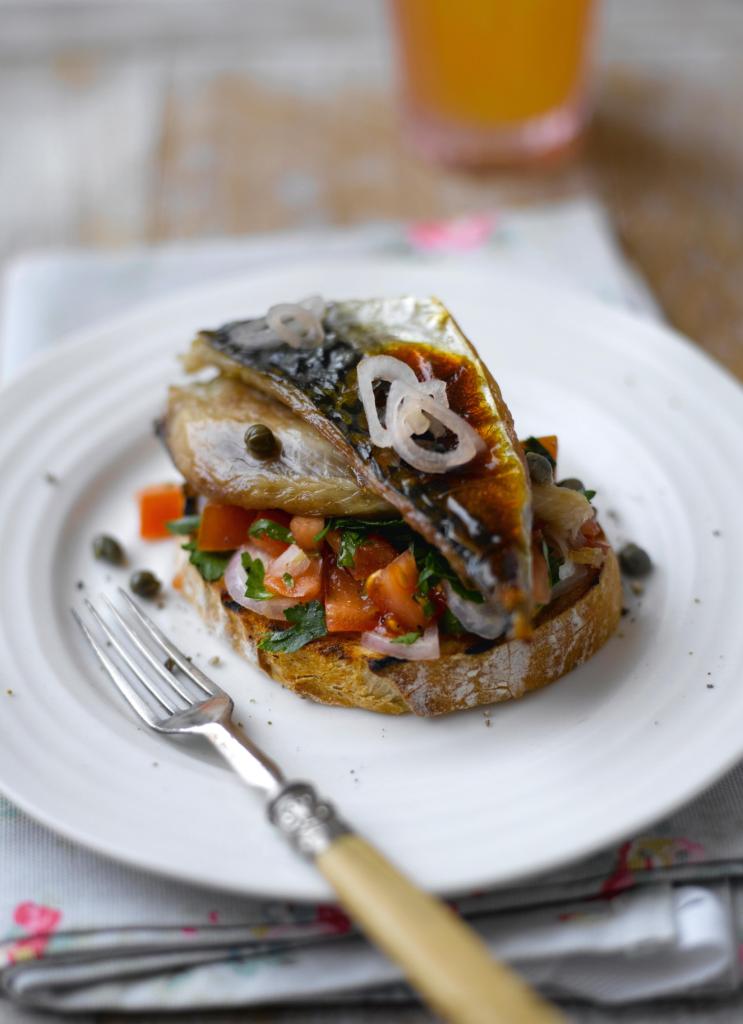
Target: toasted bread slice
337, 670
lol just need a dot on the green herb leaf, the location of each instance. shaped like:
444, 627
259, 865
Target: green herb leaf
356, 523
323, 533
211, 564
396, 530
354, 532
531, 444
351, 541
254, 586
308, 623
450, 624
272, 529
184, 525
590, 495
408, 638
288, 580
554, 561
432, 567
428, 569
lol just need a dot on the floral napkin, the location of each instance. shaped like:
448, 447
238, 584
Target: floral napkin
659, 915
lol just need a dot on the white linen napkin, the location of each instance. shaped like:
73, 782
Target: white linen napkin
659, 915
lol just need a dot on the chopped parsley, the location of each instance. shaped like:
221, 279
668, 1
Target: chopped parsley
357, 523
554, 562
307, 624
433, 567
211, 564
351, 541
590, 495
355, 531
184, 525
408, 638
323, 533
270, 528
288, 580
254, 586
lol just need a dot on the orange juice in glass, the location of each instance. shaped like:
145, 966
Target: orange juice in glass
493, 81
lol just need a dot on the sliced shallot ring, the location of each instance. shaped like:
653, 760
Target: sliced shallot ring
235, 581
419, 422
295, 324
315, 304
436, 389
293, 560
386, 368
483, 619
425, 648
401, 421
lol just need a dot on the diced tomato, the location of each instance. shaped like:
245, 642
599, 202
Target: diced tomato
333, 537
375, 553
304, 530
272, 547
540, 575
347, 608
392, 589
223, 527
157, 506
550, 443
305, 585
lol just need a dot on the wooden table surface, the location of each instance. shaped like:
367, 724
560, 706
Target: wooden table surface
139, 122
126, 122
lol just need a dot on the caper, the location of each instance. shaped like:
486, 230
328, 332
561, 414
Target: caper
634, 560
144, 583
108, 549
261, 441
572, 483
540, 469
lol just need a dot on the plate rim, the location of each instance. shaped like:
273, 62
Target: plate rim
148, 312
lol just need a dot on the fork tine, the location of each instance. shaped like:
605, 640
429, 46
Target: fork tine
167, 705
119, 680
167, 677
195, 674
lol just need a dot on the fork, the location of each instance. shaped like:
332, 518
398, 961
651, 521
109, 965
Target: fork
442, 958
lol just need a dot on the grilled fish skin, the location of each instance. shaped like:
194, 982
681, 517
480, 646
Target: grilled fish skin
479, 516
204, 430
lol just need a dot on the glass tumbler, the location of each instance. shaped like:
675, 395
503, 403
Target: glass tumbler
493, 81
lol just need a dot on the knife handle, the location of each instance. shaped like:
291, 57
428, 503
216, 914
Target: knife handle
442, 958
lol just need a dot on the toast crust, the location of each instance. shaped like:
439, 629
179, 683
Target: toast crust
336, 670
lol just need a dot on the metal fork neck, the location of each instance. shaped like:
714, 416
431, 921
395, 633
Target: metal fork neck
253, 766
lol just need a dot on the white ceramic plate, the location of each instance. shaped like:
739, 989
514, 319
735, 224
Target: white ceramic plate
461, 802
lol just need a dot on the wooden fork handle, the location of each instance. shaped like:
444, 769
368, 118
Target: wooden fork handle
440, 955
442, 958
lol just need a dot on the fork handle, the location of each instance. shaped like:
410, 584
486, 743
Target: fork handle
440, 955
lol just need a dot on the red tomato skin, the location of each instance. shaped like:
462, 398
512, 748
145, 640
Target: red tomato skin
392, 589
223, 527
306, 587
304, 529
347, 608
272, 547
